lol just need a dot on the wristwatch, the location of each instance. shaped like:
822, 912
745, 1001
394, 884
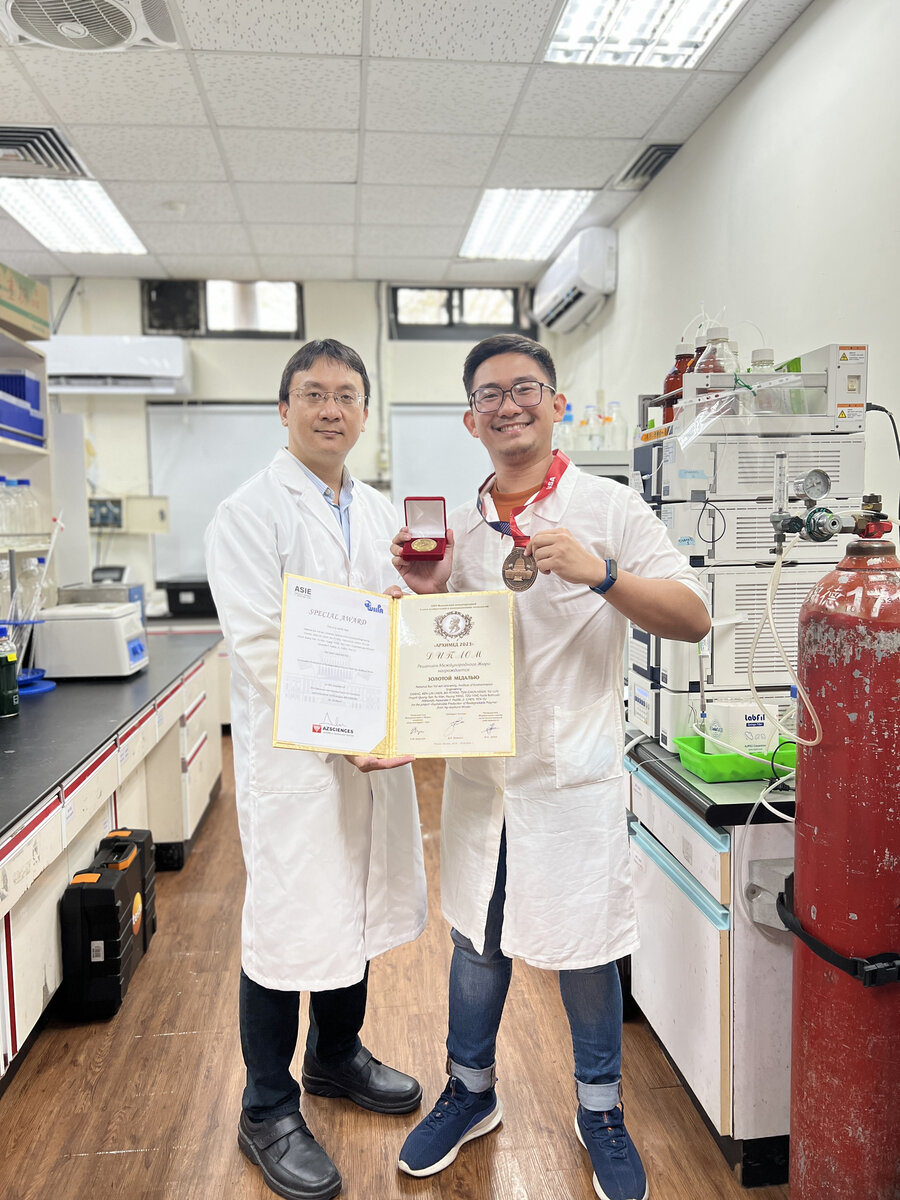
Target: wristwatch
612, 574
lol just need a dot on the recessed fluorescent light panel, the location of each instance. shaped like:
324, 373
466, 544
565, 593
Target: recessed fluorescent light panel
523, 224
70, 216
639, 33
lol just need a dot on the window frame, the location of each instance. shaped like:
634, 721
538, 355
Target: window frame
225, 334
458, 331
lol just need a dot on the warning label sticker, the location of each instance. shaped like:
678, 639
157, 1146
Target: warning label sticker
851, 354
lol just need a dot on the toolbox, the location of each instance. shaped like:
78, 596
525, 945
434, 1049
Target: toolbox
107, 922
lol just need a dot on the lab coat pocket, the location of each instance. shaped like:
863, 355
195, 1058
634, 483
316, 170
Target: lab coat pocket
278, 771
588, 744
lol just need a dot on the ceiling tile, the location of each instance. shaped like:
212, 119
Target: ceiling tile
438, 97
753, 32
14, 236
118, 89
21, 105
191, 238
131, 152
410, 241
310, 203
210, 266
303, 239
705, 91
527, 162
386, 204
592, 101
319, 266
503, 31
33, 262
492, 273
420, 158
290, 155
402, 270
109, 266
314, 27
281, 90
202, 201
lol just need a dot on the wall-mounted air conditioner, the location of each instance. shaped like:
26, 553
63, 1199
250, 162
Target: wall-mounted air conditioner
141, 366
575, 287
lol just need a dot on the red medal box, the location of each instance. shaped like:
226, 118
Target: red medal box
426, 520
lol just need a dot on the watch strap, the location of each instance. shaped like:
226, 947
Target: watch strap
612, 572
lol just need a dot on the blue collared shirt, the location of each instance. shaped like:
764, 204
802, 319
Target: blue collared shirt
339, 508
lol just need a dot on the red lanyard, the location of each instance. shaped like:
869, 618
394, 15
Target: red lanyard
551, 480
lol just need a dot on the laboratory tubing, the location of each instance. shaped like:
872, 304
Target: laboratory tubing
9, 688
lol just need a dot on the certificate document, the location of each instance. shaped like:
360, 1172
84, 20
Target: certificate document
360, 673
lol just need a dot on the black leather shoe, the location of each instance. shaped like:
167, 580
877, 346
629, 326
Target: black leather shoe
364, 1080
293, 1163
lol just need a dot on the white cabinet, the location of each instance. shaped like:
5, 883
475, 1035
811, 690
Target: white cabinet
715, 988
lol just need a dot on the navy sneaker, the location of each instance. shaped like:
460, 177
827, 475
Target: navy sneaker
618, 1170
457, 1118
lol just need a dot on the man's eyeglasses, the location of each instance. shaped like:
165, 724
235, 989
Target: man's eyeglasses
316, 398
527, 393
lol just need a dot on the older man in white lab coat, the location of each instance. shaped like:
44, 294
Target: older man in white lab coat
333, 853
534, 851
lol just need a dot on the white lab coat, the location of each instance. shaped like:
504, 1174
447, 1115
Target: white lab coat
334, 862
569, 901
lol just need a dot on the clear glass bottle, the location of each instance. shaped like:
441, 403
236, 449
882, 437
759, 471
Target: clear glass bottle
28, 589
617, 429
565, 431
9, 687
586, 428
718, 358
31, 510
5, 509
5, 592
14, 515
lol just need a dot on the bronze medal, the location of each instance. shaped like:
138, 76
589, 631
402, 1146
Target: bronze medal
421, 545
519, 570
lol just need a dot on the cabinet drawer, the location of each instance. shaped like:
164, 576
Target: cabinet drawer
169, 708
194, 682
195, 785
88, 789
701, 849
136, 741
194, 723
680, 973
28, 850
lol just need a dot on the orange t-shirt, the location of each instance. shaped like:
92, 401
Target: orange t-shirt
505, 502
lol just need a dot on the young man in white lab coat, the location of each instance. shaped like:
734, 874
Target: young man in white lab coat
534, 849
335, 872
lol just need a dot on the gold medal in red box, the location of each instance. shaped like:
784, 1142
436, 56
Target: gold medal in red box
426, 520
519, 569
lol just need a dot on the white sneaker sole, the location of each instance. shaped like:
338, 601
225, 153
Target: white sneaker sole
491, 1121
597, 1188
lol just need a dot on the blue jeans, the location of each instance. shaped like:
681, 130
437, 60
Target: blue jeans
270, 1023
478, 985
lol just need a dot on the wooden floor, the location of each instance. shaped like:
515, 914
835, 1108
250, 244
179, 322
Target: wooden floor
145, 1106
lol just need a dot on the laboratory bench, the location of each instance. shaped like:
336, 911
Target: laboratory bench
712, 981
92, 755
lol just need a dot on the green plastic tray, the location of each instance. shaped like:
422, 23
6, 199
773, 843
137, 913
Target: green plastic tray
728, 768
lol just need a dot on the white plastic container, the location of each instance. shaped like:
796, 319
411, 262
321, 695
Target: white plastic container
737, 721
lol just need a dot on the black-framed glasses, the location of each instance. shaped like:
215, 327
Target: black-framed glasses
315, 397
527, 393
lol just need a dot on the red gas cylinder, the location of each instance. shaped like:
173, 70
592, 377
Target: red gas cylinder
845, 1059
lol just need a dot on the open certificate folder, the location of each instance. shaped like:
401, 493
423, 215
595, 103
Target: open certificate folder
360, 673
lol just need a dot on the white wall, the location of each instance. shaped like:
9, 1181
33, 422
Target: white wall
782, 209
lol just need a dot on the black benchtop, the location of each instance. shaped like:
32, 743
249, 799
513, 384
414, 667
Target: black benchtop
56, 731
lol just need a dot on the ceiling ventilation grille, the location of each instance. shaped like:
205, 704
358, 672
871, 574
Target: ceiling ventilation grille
645, 167
89, 25
38, 153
